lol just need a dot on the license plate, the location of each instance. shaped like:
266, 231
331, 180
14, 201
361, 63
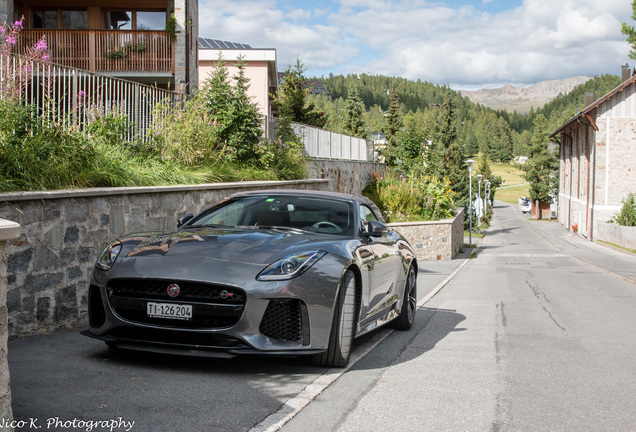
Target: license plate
170, 311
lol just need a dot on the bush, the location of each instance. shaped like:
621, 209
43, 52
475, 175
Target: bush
627, 215
414, 198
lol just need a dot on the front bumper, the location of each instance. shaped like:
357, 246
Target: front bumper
276, 318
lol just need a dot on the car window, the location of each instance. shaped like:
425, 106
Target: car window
366, 214
320, 215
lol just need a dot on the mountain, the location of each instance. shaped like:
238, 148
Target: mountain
521, 99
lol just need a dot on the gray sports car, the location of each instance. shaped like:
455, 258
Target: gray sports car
280, 272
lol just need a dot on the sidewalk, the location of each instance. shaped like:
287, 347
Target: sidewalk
618, 263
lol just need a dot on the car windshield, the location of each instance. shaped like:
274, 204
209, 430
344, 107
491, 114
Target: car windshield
317, 214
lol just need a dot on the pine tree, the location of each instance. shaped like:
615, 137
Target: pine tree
453, 155
291, 101
542, 166
393, 125
354, 123
245, 120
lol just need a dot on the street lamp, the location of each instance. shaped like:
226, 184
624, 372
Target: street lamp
470, 163
479, 177
487, 192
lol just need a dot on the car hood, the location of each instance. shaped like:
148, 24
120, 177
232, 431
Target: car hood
248, 245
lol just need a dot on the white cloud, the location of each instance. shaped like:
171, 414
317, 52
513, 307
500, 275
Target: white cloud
541, 39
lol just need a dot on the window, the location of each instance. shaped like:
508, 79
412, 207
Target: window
118, 20
151, 20
60, 18
134, 20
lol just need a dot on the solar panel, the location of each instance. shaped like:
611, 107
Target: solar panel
215, 44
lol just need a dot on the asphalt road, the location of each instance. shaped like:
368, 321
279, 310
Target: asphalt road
64, 377
527, 337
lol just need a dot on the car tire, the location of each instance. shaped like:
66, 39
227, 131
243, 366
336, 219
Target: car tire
406, 318
341, 336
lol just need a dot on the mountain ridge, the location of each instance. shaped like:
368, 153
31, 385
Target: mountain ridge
522, 99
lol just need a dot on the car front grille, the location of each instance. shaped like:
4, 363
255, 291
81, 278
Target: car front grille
213, 306
287, 320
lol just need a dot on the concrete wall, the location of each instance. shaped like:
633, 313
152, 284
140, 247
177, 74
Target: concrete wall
619, 235
8, 231
436, 240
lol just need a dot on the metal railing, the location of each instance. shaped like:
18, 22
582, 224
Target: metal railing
324, 144
105, 51
72, 97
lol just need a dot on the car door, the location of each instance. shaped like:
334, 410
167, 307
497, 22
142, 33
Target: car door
381, 266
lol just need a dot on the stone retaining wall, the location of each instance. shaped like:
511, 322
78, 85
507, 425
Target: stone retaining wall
8, 231
436, 240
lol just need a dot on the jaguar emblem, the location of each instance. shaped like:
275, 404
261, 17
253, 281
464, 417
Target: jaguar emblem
174, 290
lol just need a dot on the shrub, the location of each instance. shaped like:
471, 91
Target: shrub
627, 215
414, 198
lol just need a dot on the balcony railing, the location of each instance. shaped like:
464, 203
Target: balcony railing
106, 51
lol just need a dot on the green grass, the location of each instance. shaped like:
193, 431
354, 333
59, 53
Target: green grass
513, 186
511, 195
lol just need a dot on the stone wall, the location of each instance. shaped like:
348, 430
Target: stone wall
346, 177
8, 231
436, 240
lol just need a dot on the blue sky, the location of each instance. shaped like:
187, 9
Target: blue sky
462, 43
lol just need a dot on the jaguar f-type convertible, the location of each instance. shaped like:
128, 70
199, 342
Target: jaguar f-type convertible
278, 272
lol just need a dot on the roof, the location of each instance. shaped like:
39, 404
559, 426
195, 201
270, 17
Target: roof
594, 105
215, 44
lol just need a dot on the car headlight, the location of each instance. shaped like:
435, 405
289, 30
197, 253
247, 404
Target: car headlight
108, 257
290, 266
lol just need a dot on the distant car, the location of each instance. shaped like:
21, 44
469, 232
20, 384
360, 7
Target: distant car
278, 272
526, 206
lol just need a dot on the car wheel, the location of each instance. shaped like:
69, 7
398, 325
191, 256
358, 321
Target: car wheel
341, 336
405, 320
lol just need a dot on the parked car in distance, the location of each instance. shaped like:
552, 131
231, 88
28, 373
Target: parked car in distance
526, 206
280, 272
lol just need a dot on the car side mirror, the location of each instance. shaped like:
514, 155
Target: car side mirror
376, 229
184, 219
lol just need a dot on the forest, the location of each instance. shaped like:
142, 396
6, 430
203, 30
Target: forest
497, 134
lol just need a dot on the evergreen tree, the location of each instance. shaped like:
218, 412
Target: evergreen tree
393, 125
453, 155
217, 95
245, 121
542, 166
354, 123
291, 101
412, 141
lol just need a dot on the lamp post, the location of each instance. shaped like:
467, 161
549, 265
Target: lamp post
487, 192
479, 211
470, 163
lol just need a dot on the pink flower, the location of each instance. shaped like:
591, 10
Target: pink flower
11, 40
17, 24
41, 45
46, 57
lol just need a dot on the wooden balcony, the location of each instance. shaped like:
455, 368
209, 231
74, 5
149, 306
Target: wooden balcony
106, 51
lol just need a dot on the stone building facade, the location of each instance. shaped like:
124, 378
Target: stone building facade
597, 160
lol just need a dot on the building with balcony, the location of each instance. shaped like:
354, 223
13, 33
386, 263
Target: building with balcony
147, 41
